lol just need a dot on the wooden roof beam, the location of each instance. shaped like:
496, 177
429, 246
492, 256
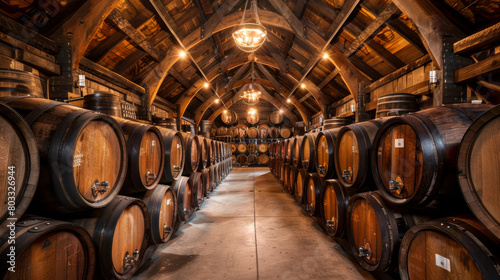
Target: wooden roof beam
407, 33
478, 41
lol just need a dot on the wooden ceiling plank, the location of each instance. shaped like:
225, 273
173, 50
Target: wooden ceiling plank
386, 55
407, 33
129, 61
478, 41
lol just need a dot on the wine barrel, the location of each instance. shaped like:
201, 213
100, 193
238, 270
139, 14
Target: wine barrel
396, 104
145, 149
285, 132
334, 207
229, 117
252, 148
253, 118
233, 148
262, 148
242, 159
274, 132
335, 122
242, 131
233, 131
19, 167
252, 159
286, 177
234, 158
19, 83
105, 103
252, 132
478, 163
276, 117
325, 147
300, 191
308, 152
206, 128
263, 131
449, 248
47, 249
192, 153
242, 148
188, 128
162, 209
120, 233
375, 231
297, 160
203, 152
174, 155
404, 145
222, 131
284, 150
205, 174
210, 152
263, 159
314, 183
185, 193
214, 176
211, 182
169, 123
199, 186
290, 154
352, 154
72, 142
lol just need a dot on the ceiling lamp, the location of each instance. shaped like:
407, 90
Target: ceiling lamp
249, 36
251, 96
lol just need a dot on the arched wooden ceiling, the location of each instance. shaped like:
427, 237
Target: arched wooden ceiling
365, 40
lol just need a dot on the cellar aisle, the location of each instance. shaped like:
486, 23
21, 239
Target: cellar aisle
250, 229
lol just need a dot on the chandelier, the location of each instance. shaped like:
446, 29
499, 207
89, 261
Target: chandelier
250, 36
251, 96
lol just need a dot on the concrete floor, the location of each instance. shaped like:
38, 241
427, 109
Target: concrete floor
250, 228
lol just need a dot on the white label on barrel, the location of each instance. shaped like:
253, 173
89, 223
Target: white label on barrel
77, 160
443, 262
178, 146
153, 143
399, 143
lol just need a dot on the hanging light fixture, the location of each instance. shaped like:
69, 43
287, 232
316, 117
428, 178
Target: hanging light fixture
251, 96
249, 36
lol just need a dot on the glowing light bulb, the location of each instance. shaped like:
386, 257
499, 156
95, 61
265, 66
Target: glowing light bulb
325, 56
303, 85
182, 54
288, 100
206, 85
281, 111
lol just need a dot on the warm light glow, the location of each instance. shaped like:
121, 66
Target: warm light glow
281, 111
303, 85
252, 111
225, 111
325, 56
206, 85
288, 100
182, 54
251, 97
217, 101
250, 36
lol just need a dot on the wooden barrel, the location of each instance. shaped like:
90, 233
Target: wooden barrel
162, 209
188, 128
430, 138
297, 160
242, 130
276, 117
263, 131
126, 225
352, 154
285, 132
263, 159
19, 83
233, 148
313, 201
234, 158
105, 103
286, 177
229, 117
233, 131
449, 248
206, 128
19, 167
300, 190
242, 159
334, 199
192, 153
211, 182
396, 104
174, 155
274, 132
205, 174
308, 152
375, 231
335, 122
242, 148
184, 191
252, 132
145, 149
284, 150
262, 148
222, 131
210, 152
199, 187
169, 123
72, 142
251, 148
204, 154
253, 118
477, 168
252, 159
325, 147
39, 245
290, 182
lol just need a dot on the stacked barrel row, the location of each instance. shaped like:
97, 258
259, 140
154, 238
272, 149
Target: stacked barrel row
250, 153
263, 131
417, 193
109, 189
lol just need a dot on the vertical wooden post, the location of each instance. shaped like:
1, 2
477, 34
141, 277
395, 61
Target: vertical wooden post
60, 86
179, 117
361, 115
